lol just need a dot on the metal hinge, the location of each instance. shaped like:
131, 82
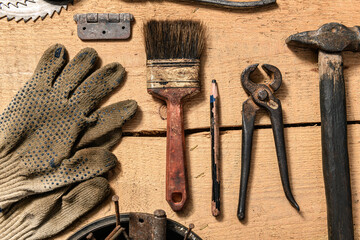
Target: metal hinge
101, 26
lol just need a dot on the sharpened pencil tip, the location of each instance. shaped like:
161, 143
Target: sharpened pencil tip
213, 81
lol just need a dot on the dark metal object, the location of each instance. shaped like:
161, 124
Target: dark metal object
115, 199
144, 226
103, 26
215, 150
231, 4
188, 232
261, 96
331, 39
104, 226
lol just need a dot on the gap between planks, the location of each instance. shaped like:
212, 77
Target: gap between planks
222, 129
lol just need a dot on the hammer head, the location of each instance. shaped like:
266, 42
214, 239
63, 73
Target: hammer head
331, 37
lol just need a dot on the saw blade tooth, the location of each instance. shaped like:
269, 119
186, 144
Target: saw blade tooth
33, 9
26, 19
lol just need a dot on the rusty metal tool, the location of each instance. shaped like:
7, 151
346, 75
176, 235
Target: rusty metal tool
103, 26
330, 40
143, 226
262, 96
115, 199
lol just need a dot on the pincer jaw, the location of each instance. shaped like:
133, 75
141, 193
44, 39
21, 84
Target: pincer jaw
248, 85
273, 72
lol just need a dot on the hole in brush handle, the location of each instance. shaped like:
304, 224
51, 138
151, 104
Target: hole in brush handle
176, 197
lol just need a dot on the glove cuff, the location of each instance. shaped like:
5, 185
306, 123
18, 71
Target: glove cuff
11, 182
15, 227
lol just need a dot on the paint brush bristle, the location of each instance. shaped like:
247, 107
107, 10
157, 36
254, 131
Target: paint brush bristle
181, 39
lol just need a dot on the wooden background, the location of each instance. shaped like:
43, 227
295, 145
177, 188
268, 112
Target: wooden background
235, 39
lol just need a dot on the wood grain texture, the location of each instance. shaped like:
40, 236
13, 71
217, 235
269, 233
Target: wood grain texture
235, 39
269, 214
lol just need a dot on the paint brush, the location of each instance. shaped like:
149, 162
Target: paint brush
173, 50
215, 149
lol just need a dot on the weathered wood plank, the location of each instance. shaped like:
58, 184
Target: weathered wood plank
235, 40
140, 181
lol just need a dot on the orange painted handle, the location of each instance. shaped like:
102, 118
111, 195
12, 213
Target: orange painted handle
175, 156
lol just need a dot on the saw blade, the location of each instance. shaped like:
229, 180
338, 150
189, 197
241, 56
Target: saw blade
14, 2
32, 9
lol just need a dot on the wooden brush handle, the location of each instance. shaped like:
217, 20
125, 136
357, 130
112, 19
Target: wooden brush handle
175, 156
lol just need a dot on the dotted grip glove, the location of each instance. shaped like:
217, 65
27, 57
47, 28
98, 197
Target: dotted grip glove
45, 131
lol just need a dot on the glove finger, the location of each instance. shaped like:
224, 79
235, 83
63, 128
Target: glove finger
49, 66
45, 215
85, 164
75, 71
107, 131
93, 89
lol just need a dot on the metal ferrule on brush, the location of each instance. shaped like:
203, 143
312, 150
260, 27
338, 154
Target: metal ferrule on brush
173, 73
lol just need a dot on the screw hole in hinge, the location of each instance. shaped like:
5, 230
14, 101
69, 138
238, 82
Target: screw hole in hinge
141, 220
103, 32
84, 28
123, 27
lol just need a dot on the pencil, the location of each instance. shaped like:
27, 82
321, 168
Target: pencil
215, 149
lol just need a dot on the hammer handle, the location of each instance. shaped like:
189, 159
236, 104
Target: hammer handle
334, 147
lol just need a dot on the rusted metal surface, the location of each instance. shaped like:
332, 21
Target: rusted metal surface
144, 226
172, 73
103, 26
262, 96
331, 39
115, 199
113, 232
235, 4
102, 227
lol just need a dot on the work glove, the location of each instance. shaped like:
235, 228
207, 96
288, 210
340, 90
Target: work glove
44, 215
45, 131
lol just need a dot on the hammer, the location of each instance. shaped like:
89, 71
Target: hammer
331, 39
